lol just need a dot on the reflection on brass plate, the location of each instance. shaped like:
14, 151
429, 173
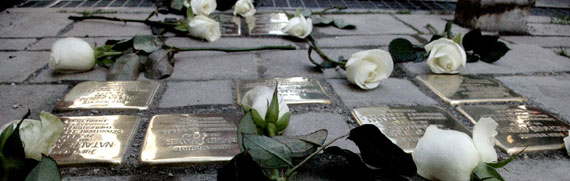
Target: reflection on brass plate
267, 24
521, 126
229, 24
459, 89
94, 139
110, 95
294, 90
190, 138
405, 125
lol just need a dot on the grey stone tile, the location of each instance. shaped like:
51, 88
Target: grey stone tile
336, 125
189, 66
16, 99
228, 42
361, 41
48, 75
522, 58
15, 44
109, 28
370, 24
540, 41
99, 178
538, 19
420, 21
18, 66
391, 91
180, 94
46, 43
548, 29
17, 24
549, 92
536, 169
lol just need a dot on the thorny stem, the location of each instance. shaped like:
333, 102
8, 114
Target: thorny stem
268, 47
292, 170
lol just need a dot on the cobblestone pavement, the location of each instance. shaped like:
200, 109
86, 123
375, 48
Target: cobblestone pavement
204, 82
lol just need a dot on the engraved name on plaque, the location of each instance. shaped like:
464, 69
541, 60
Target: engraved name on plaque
405, 125
110, 95
520, 127
94, 139
459, 89
190, 138
294, 90
267, 24
229, 24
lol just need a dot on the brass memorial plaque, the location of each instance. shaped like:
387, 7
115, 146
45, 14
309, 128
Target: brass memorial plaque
267, 24
191, 138
229, 24
94, 139
459, 89
405, 125
294, 90
110, 95
521, 126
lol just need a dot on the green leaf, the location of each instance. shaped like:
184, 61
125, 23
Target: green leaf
402, 50
13, 151
303, 145
241, 167
147, 43
104, 62
177, 4
435, 37
4, 136
45, 170
159, 65
267, 152
501, 164
447, 30
457, 39
283, 121
323, 21
306, 12
246, 126
98, 52
339, 23
272, 114
182, 27
189, 13
485, 172
120, 45
472, 40
126, 67
494, 52
472, 58
257, 119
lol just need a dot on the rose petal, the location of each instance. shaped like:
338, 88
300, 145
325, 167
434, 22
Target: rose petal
250, 95
357, 73
567, 143
484, 133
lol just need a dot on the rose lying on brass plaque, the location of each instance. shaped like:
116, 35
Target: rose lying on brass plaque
94, 139
191, 138
521, 126
405, 125
294, 90
109, 95
267, 24
229, 24
458, 89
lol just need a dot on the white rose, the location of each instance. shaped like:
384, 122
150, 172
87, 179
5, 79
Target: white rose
452, 155
203, 7
259, 99
244, 8
445, 56
367, 68
71, 55
567, 143
38, 137
299, 27
204, 28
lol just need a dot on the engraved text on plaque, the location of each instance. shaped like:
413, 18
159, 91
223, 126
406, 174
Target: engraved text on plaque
295, 90
268, 24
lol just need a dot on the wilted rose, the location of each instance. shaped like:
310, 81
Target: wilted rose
71, 55
367, 68
445, 56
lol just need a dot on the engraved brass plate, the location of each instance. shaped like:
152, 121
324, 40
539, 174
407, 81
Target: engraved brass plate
294, 90
190, 138
521, 126
110, 95
405, 125
229, 24
459, 89
94, 139
267, 24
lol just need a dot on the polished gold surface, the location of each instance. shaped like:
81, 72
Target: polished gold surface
521, 127
405, 125
190, 138
267, 24
94, 139
459, 89
294, 90
109, 95
229, 24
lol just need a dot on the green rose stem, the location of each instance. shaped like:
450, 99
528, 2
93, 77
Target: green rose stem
146, 21
313, 45
106, 54
324, 11
268, 47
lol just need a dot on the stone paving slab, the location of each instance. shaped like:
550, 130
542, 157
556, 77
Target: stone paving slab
180, 94
228, 42
48, 75
15, 44
87, 178
106, 28
549, 92
535, 169
18, 66
16, 24
420, 22
523, 58
335, 124
548, 29
46, 43
361, 41
16, 99
227, 66
373, 24
391, 91
538, 19
296, 63
540, 41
